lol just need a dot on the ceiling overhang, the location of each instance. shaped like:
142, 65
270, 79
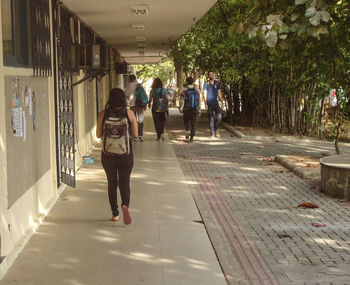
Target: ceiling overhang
141, 31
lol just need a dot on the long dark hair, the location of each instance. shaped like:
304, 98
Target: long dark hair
157, 83
116, 99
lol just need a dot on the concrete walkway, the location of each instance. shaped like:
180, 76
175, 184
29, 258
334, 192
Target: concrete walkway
79, 245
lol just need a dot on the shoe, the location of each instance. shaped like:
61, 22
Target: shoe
163, 138
187, 135
217, 134
126, 215
141, 139
212, 136
135, 139
191, 140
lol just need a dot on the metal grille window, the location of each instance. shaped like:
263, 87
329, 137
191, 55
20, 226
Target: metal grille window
41, 41
65, 33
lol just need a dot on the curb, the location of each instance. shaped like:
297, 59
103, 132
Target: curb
237, 133
301, 172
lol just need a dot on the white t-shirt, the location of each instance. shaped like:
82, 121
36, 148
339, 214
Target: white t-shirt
130, 93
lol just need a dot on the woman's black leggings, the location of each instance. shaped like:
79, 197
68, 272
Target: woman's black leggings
118, 169
159, 120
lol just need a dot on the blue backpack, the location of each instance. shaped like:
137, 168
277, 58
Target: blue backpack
191, 98
141, 96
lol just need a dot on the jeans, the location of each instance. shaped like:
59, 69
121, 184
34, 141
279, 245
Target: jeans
118, 169
214, 124
140, 114
190, 115
159, 121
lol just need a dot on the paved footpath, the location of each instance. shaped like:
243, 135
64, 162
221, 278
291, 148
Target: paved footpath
249, 209
77, 244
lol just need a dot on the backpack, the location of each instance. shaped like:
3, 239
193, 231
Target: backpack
216, 83
160, 101
116, 136
141, 96
191, 98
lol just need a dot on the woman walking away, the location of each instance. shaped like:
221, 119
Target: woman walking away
159, 107
115, 126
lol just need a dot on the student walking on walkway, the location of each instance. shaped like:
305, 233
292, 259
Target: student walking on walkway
159, 107
115, 126
135, 92
212, 90
190, 107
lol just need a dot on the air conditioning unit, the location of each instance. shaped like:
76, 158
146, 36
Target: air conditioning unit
121, 68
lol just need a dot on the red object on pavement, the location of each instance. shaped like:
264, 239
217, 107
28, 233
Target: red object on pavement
318, 225
308, 205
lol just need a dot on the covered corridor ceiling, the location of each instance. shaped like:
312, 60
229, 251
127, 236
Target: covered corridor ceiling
140, 30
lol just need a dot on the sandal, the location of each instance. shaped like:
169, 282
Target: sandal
126, 215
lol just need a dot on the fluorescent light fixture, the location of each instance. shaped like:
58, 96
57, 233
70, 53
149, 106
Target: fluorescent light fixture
139, 10
140, 39
141, 44
138, 27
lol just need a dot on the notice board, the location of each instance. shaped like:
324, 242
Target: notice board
28, 133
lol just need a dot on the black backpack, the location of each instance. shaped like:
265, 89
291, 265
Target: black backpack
116, 135
160, 101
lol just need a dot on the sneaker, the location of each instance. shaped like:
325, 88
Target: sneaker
217, 134
191, 140
212, 136
141, 139
135, 139
187, 135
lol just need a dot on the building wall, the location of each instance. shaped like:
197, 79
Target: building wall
19, 220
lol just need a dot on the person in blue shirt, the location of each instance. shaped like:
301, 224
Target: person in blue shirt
212, 91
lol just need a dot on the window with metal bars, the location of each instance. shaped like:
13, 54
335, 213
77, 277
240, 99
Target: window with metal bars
16, 30
26, 34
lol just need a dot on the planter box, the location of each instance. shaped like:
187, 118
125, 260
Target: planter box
335, 176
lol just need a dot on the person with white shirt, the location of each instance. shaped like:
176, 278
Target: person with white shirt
130, 92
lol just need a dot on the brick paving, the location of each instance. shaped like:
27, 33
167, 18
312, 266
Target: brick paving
254, 206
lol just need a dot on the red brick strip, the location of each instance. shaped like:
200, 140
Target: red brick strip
253, 265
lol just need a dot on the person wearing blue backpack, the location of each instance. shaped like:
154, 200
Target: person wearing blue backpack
159, 107
190, 107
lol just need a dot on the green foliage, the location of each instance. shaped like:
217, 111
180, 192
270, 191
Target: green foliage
164, 70
280, 57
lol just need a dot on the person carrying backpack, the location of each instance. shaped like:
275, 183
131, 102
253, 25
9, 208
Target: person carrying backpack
116, 125
159, 107
137, 98
212, 91
190, 107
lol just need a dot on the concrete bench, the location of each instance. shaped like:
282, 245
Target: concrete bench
335, 175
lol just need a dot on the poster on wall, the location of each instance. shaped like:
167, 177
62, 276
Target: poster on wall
15, 95
34, 110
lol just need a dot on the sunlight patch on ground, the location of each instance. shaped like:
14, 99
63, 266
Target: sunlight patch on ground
154, 183
138, 175
306, 216
281, 187
331, 242
252, 169
105, 238
143, 257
